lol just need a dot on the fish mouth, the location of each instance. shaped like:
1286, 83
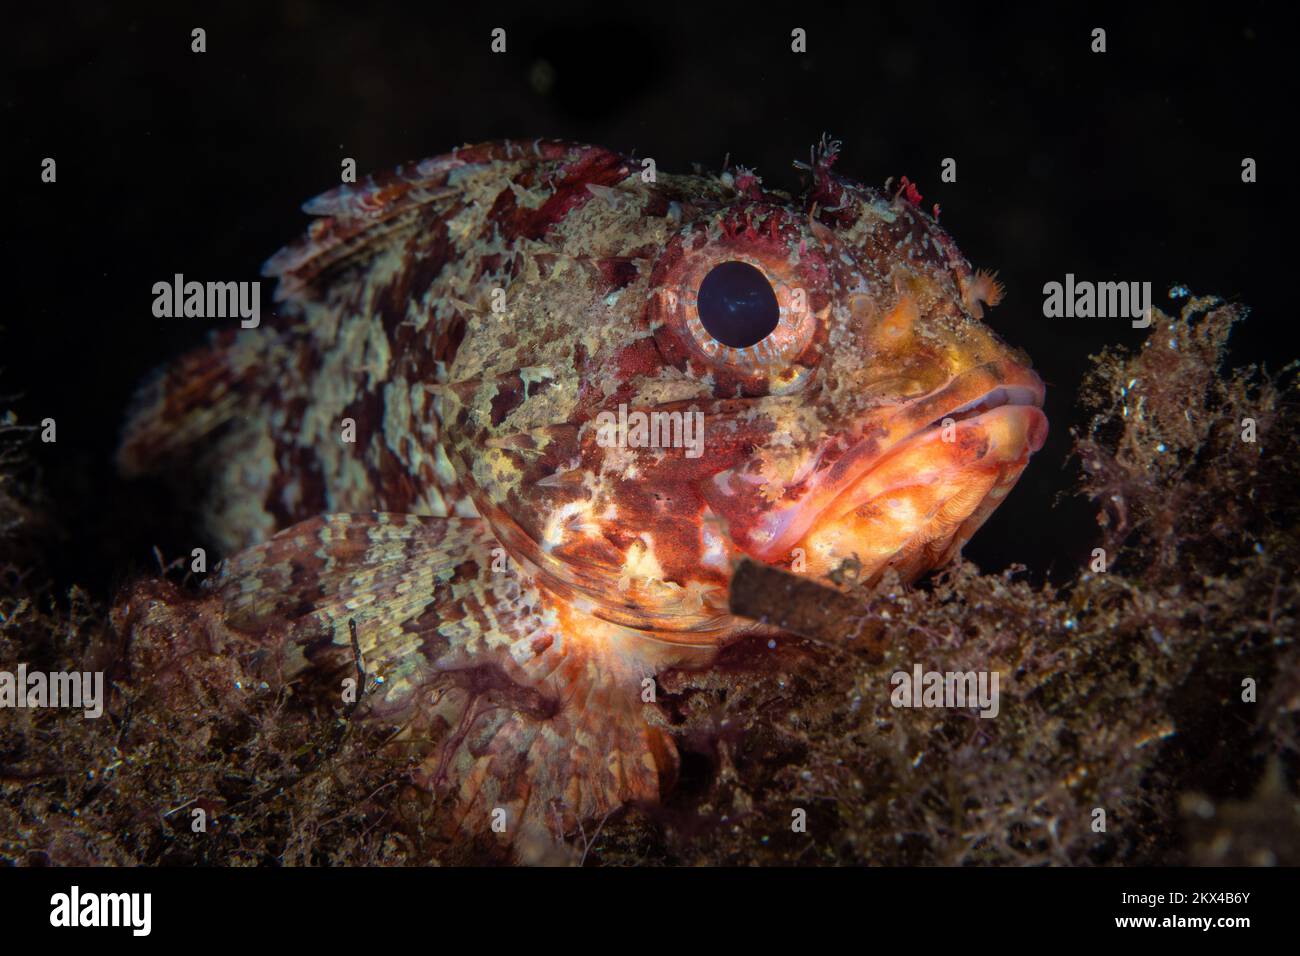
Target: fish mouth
912, 490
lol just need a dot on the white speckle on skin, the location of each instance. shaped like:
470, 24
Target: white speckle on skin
442, 468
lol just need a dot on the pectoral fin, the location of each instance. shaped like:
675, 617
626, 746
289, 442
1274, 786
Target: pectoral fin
533, 712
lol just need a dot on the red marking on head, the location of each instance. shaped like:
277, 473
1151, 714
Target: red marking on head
908, 190
591, 166
639, 360
748, 183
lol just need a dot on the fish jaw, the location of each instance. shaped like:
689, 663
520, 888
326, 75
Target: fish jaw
911, 491
919, 506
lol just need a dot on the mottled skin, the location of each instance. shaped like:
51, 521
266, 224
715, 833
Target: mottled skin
515, 583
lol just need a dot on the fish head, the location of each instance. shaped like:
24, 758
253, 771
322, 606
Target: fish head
899, 420
806, 381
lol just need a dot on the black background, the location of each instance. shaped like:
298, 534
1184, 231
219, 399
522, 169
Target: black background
730, 909
1117, 166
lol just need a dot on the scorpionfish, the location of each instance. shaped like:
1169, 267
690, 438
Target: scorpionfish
578, 391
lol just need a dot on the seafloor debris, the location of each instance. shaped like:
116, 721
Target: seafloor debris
1261, 831
1127, 691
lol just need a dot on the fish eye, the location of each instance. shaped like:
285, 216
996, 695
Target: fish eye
737, 305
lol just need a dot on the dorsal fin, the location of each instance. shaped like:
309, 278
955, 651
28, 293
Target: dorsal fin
370, 312
359, 222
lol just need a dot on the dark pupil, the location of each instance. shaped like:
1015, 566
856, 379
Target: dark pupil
737, 305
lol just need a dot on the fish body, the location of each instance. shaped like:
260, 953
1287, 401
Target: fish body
526, 404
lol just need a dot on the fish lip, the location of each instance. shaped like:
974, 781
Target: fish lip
1010, 394
967, 395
